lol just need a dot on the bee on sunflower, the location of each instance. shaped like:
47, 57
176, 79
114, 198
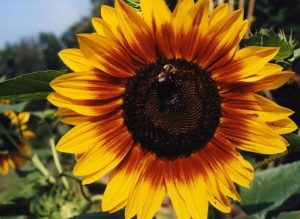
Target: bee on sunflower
164, 101
13, 136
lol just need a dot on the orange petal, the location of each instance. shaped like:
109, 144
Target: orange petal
137, 33
106, 55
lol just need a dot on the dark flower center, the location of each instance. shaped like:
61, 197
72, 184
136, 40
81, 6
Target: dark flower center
172, 108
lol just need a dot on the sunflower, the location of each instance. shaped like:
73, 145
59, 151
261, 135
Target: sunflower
164, 101
13, 147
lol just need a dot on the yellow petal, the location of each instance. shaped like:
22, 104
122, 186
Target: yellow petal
178, 19
137, 33
150, 188
98, 24
155, 12
253, 104
178, 202
269, 69
74, 59
213, 186
105, 155
283, 126
218, 14
180, 12
229, 44
72, 118
157, 15
238, 169
79, 87
263, 82
122, 180
252, 135
85, 107
108, 14
190, 36
221, 38
246, 62
191, 187
104, 54
270, 110
86, 135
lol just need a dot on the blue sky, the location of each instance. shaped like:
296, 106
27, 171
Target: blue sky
26, 18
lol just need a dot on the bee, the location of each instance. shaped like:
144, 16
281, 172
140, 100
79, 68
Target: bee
167, 73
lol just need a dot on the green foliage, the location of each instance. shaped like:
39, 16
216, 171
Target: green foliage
278, 14
268, 38
270, 190
25, 56
14, 107
289, 215
29, 86
21, 187
294, 142
55, 202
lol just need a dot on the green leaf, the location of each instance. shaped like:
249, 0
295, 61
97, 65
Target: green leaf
13, 187
14, 107
31, 86
266, 37
270, 188
289, 215
294, 141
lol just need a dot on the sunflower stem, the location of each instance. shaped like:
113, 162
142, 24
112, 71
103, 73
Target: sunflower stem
58, 164
40, 167
83, 193
269, 159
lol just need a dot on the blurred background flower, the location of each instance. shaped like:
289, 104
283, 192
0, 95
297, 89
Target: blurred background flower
13, 136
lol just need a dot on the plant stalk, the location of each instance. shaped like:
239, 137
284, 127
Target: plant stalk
58, 165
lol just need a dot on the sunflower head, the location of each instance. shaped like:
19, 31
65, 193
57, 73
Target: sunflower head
13, 136
164, 101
